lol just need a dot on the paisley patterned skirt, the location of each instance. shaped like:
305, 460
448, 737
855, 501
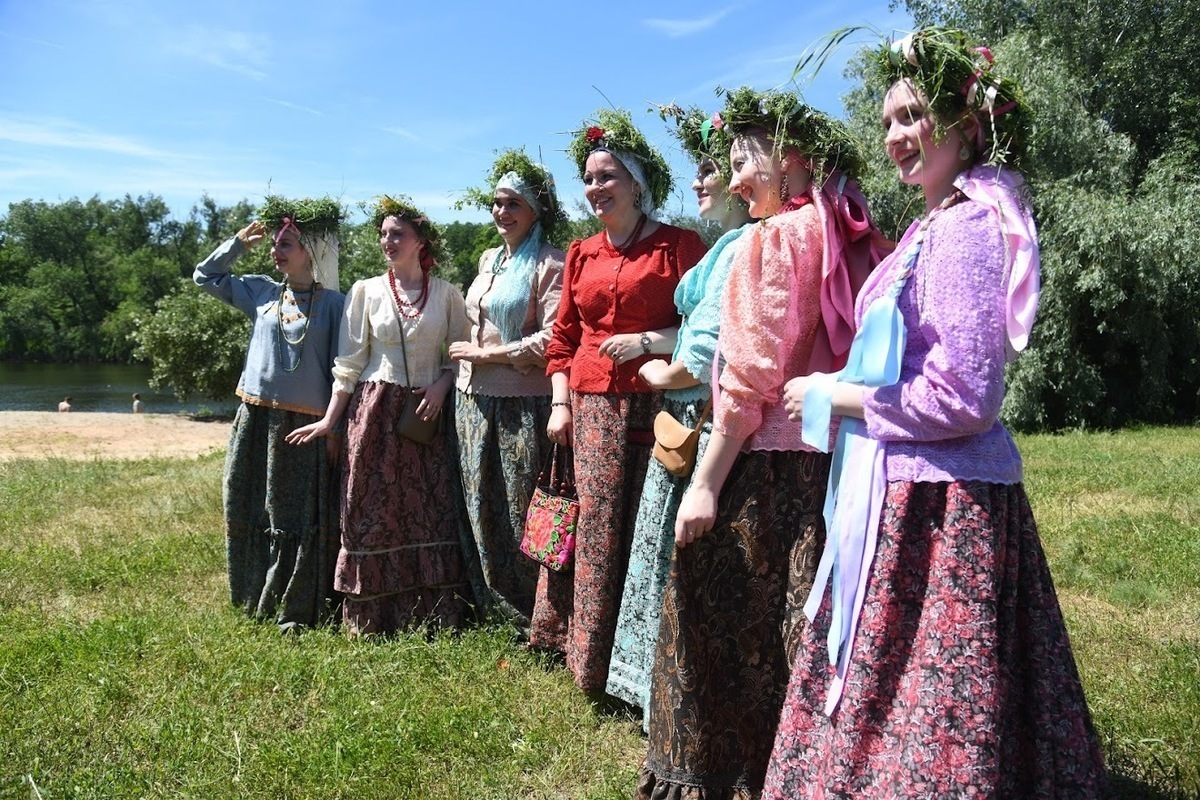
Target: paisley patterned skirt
576, 612
962, 682
732, 616
401, 562
281, 520
649, 560
501, 446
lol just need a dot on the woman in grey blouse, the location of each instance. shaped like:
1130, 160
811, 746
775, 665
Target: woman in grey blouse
281, 502
502, 404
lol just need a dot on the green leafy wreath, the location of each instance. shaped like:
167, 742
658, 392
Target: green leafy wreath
550, 212
402, 207
614, 130
321, 216
958, 77
827, 143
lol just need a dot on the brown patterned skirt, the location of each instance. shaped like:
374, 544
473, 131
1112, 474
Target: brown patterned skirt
576, 612
731, 621
401, 561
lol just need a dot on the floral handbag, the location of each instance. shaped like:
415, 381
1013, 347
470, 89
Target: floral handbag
553, 512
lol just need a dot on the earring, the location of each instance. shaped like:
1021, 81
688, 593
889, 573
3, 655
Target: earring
783, 190
964, 153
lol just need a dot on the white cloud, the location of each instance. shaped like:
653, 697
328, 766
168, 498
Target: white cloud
236, 51
296, 107
55, 132
676, 28
404, 133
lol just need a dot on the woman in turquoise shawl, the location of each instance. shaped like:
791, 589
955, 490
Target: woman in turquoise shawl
687, 381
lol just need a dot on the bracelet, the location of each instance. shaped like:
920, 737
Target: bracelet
560, 403
645, 340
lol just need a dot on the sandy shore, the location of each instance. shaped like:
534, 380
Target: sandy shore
84, 435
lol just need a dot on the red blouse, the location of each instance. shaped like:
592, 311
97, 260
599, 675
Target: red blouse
606, 293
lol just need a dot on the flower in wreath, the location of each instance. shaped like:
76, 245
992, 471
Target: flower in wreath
595, 133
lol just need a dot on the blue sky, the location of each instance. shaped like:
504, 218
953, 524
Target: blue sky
352, 98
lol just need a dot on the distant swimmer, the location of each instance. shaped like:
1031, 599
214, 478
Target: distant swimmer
65, 405
138, 406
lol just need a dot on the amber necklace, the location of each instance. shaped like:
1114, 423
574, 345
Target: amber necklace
306, 313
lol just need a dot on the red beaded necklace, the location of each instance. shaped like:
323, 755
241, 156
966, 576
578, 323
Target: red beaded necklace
403, 307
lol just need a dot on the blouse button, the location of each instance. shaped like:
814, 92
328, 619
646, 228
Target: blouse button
612, 286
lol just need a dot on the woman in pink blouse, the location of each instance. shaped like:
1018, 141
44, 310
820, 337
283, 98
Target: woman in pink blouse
938, 664
617, 311
749, 528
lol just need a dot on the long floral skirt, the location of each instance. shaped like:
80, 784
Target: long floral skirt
401, 561
649, 560
501, 446
281, 520
576, 612
732, 616
961, 681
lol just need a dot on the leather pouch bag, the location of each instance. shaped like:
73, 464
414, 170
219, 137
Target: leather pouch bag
675, 444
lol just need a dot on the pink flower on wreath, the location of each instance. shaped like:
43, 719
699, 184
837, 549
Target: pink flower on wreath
595, 133
717, 122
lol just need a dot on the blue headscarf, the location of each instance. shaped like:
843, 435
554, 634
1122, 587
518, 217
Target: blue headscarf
509, 303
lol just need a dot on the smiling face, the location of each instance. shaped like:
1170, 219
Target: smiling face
513, 217
291, 258
711, 193
757, 174
400, 242
909, 130
609, 188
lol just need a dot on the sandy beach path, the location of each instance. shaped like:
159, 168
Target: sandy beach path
86, 435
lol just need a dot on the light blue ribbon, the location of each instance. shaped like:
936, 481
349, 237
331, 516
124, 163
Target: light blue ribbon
875, 358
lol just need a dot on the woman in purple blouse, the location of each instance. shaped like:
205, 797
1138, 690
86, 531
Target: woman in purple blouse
937, 663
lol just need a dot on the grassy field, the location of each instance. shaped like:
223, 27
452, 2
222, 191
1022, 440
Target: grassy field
124, 673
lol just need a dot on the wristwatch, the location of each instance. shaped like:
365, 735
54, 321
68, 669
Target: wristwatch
646, 343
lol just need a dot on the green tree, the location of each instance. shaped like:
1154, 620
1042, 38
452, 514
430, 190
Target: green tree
195, 344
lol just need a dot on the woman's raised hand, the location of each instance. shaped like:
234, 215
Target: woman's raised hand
252, 234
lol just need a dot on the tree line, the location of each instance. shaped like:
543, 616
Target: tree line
1114, 167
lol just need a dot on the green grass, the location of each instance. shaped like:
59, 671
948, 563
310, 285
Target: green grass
125, 673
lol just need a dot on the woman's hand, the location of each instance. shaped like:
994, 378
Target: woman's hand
697, 512
465, 351
622, 347
306, 434
252, 234
560, 428
433, 397
793, 397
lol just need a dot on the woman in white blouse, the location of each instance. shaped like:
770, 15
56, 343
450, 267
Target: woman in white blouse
400, 563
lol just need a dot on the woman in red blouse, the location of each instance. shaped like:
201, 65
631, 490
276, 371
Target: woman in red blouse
617, 311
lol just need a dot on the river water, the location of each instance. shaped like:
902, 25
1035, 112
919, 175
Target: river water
92, 387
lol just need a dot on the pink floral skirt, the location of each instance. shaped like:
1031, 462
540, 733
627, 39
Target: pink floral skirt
962, 681
401, 561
